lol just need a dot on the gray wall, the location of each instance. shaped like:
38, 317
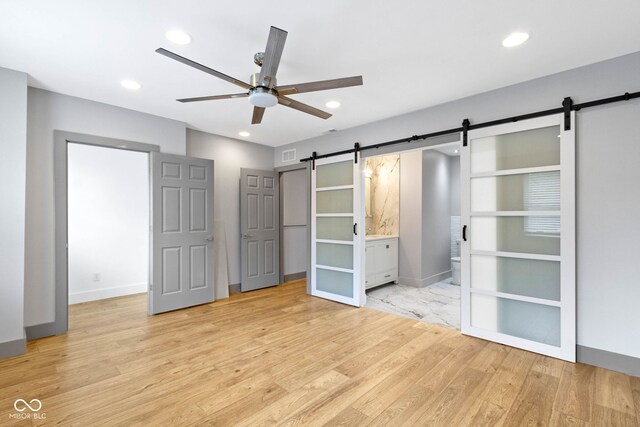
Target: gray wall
13, 147
608, 284
424, 254
410, 240
608, 210
230, 155
454, 177
48, 111
436, 234
293, 193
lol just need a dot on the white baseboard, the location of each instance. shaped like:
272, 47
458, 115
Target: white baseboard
427, 281
98, 294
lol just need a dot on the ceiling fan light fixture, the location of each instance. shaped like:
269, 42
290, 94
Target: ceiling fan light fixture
262, 98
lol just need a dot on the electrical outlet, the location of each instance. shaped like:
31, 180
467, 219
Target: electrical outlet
96, 277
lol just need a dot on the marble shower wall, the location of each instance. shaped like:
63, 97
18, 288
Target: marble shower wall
385, 195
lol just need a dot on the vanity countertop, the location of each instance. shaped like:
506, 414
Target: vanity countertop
379, 237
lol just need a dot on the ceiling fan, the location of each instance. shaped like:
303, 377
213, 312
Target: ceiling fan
263, 92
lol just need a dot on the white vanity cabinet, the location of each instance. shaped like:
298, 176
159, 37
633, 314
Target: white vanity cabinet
381, 255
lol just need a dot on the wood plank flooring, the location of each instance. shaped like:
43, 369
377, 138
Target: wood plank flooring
280, 357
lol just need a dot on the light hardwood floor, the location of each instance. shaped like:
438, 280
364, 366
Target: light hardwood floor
279, 356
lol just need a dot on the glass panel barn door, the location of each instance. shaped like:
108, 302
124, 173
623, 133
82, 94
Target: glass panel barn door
518, 248
335, 247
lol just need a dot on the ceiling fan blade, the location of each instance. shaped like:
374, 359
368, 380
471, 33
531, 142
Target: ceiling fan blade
201, 67
258, 112
213, 97
321, 85
292, 103
272, 55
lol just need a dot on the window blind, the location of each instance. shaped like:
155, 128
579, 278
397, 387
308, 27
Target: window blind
542, 193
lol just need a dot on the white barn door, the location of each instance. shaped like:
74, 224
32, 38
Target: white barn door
518, 245
336, 249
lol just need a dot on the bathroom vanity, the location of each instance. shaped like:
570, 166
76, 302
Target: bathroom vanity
381, 254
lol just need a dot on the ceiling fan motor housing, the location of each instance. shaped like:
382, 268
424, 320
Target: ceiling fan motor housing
262, 96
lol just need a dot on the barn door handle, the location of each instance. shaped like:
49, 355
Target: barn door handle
464, 233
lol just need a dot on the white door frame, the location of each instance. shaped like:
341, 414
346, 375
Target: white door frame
567, 349
61, 138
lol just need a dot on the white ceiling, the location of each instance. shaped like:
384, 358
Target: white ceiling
412, 54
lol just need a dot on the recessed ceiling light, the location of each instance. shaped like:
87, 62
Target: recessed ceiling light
244, 133
178, 37
332, 104
130, 84
515, 39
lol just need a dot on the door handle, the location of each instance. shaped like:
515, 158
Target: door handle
464, 233
246, 236
209, 239
355, 228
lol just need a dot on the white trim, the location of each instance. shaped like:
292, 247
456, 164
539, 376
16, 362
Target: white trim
356, 243
519, 171
567, 348
510, 340
333, 297
327, 267
335, 242
516, 297
518, 255
362, 231
465, 245
568, 239
334, 215
104, 293
334, 188
517, 213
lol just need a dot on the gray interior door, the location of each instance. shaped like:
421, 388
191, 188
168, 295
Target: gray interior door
182, 232
259, 229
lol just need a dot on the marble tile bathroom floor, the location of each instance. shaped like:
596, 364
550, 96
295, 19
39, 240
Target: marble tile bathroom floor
438, 303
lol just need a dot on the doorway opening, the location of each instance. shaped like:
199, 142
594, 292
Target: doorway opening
180, 253
294, 224
80, 144
412, 242
108, 222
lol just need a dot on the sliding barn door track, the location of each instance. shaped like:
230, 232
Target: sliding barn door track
567, 107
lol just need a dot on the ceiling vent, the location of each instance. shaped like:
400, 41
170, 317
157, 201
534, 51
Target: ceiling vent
289, 155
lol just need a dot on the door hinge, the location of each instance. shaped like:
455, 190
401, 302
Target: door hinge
150, 286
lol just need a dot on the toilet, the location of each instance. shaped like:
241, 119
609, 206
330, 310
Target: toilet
455, 270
